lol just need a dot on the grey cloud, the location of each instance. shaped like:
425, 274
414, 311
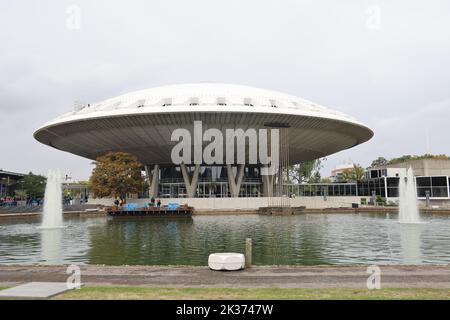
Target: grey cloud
391, 78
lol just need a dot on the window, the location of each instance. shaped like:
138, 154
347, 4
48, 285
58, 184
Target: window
393, 182
439, 192
374, 174
167, 102
423, 181
422, 192
439, 187
221, 102
194, 102
248, 102
439, 181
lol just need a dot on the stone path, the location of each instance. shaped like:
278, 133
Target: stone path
35, 290
432, 276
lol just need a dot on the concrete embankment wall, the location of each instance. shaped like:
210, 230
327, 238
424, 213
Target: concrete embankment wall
246, 203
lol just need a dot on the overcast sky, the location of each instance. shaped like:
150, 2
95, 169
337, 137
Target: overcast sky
386, 63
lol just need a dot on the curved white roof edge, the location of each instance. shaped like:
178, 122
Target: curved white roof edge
202, 97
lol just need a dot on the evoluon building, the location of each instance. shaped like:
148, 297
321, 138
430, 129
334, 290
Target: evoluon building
154, 124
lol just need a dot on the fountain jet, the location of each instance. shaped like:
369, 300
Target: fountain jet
408, 206
53, 211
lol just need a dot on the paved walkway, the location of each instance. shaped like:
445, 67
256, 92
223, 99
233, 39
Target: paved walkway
283, 277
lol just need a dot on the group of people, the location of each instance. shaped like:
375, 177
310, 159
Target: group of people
120, 202
14, 202
8, 202
68, 200
32, 201
155, 203
36, 201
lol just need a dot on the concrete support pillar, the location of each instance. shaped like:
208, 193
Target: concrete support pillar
153, 180
267, 185
191, 183
235, 182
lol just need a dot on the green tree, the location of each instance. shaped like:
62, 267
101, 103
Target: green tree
419, 157
116, 174
381, 161
326, 180
308, 171
30, 186
353, 175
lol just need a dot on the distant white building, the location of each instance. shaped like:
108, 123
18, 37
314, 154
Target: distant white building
432, 178
336, 174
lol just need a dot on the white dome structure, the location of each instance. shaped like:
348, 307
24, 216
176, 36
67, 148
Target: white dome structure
142, 123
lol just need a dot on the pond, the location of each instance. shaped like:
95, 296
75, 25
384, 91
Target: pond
309, 239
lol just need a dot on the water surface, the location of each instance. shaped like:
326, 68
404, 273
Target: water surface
295, 240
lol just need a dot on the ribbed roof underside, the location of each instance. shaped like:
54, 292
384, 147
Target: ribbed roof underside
148, 135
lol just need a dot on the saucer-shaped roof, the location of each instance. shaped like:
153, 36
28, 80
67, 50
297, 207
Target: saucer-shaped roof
142, 122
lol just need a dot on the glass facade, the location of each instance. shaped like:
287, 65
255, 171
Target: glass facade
316, 190
366, 187
213, 183
436, 186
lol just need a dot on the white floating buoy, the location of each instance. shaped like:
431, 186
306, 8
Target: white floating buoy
226, 261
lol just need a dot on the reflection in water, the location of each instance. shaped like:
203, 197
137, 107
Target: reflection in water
51, 246
190, 241
410, 243
295, 240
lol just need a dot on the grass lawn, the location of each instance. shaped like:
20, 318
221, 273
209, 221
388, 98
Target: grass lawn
139, 293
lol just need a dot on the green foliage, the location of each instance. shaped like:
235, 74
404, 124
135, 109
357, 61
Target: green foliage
326, 180
315, 177
420, 157
381, 201
353, 175
80, 183
306, 172
379, 162
116, 174
30, 186
391, 204
184, 293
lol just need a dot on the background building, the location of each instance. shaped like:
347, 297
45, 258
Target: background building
7, 180
337, 172
432, 178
